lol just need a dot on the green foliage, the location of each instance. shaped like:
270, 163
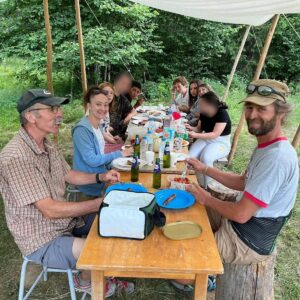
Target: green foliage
152, 44
124, 34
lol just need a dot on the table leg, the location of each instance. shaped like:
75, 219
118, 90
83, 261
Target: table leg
200, 286
98, 285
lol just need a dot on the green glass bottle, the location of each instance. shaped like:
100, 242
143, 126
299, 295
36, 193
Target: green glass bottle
157, 174
167, 156
137, 146
135, 168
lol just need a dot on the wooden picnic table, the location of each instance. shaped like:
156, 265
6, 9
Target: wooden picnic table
156, 256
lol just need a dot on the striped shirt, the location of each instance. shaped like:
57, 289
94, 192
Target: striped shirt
27, 175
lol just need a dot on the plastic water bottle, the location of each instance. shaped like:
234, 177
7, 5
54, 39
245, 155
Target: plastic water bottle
152, 126
162, 149
168, 119
150, 140
144, 147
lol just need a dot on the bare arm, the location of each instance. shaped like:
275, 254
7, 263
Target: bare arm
230, 180
81, 178
239, 212
218, 129
129, 116
53, 209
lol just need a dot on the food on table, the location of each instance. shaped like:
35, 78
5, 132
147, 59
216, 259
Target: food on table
183, 180
169, 199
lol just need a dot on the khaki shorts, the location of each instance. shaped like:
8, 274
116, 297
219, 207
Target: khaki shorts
232, 249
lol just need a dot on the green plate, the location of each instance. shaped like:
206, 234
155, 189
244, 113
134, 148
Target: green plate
182, 230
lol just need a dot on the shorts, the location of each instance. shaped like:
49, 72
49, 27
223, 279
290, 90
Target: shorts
56, 254
231, 248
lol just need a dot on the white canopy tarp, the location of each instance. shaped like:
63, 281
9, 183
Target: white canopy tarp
250, 12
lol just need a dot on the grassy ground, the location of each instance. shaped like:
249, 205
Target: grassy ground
287, 281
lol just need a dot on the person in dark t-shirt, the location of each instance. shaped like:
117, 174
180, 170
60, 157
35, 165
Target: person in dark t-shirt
212, 133
135, 93
121, 110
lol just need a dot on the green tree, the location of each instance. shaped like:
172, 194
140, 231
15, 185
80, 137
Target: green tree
124, 34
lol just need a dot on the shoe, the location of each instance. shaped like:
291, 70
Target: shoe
85, 286
182, 287
127, 286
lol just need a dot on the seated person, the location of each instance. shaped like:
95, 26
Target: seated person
193, 116
182, 99
121, 110
112, 143
33, 176
212, 133
135, 93
246, 230
88, 141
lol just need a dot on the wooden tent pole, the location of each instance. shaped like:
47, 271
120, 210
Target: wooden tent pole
296, 138
49, 46
49, 54
257, 73
81, 49
236, 61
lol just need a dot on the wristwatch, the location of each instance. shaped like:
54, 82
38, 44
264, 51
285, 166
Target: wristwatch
97, 178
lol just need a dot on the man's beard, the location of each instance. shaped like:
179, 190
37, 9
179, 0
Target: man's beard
265, 128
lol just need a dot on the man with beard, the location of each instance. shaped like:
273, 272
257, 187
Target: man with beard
246, 230
33, 176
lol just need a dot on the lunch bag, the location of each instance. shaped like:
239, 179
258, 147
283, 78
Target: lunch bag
129, 215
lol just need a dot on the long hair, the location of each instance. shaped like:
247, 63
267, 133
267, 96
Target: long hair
193, 99
113, 103
213, 99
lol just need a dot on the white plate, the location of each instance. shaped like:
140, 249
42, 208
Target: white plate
140, 118
122, 163
182, 156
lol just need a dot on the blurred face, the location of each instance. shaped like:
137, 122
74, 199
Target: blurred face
260, 119
46, 119
202, 90
98, 106
179, 88
123, 85
134, 92
194, 89
110, 93
207, 109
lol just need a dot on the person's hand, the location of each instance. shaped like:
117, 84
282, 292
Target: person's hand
127, 151
118, 139
192, 134
196, 164
189, 127
111, 177
139, 102
110, 129
201, 195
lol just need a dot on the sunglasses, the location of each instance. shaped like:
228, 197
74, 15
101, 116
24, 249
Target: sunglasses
263, 90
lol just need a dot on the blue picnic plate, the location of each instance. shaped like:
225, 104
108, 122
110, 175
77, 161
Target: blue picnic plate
183, 199
125, 186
